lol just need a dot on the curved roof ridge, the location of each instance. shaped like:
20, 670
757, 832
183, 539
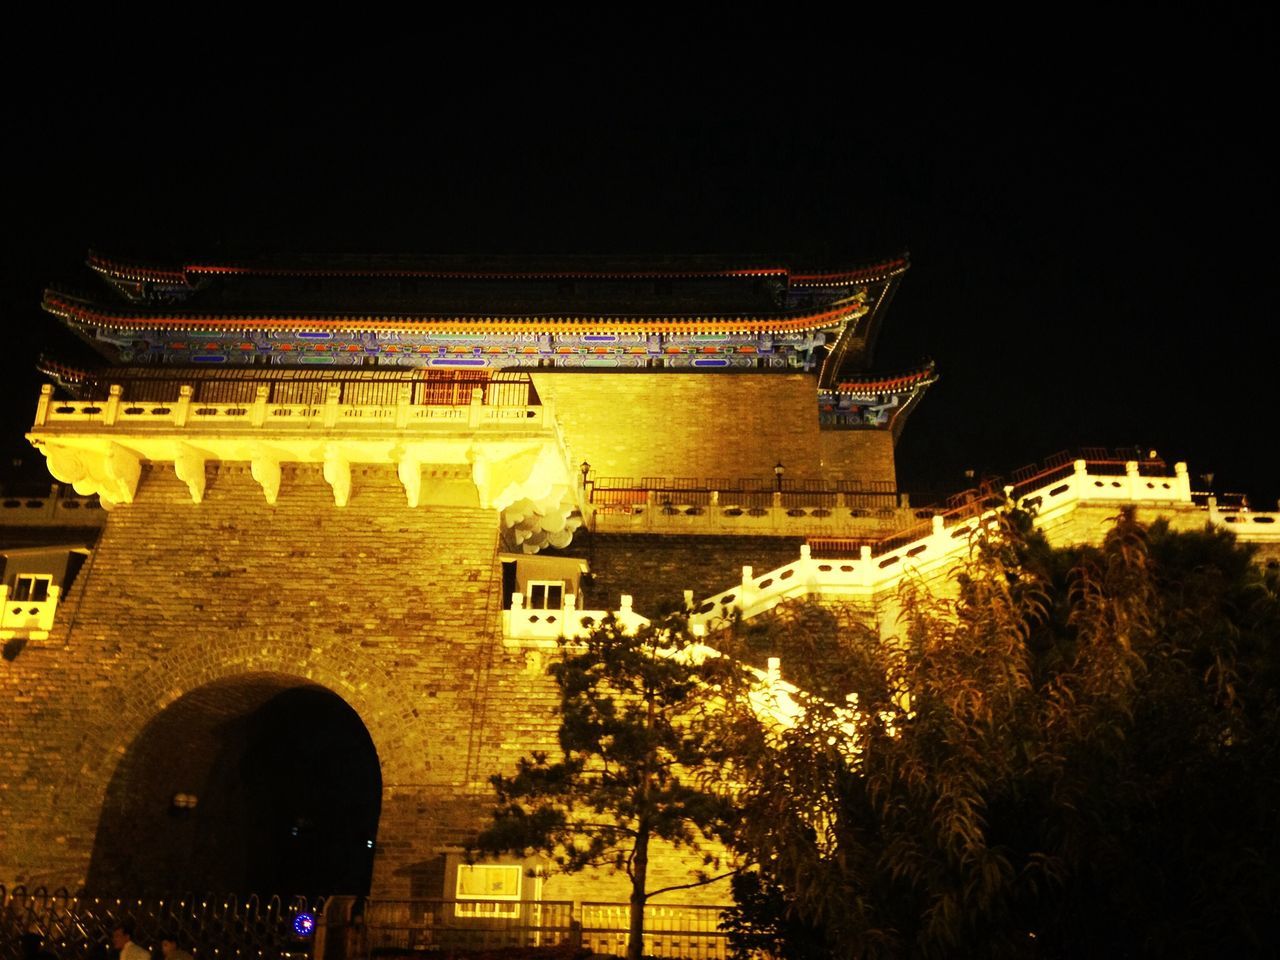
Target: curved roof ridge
438, 267
925, 373
78, 309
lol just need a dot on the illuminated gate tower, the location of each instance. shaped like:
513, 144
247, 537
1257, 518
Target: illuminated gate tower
382, 478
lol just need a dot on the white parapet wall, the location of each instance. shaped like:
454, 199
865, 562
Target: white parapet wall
515, 455
946, 540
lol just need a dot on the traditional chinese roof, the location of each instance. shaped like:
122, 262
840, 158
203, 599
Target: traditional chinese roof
668, 313
922, 376
454, 268
876, 402
86, 313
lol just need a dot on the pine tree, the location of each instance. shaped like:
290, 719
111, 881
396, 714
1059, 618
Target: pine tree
634, 742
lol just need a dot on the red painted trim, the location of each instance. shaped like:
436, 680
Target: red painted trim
888, 384
77, 311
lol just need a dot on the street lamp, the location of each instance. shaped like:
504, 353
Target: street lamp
778, 470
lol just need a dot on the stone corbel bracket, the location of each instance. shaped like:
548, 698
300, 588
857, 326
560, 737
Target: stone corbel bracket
264, 467
409, 470
533, 491
530, 473
112, 473
188, 464
337, 473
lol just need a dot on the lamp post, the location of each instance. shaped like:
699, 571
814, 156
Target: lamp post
778, 470
585, 469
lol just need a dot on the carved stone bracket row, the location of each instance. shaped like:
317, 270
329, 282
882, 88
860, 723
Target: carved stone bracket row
521, 470
503, 475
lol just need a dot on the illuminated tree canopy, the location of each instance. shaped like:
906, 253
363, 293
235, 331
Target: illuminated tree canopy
1075, 754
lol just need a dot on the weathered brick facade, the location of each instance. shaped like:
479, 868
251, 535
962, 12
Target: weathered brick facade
231, 601
656, 570
731, 426
395, 610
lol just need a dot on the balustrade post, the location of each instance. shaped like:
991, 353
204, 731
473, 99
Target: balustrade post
1132, 479
1183, 486
476, 410
864, 564
404, 397
808, 569
259, 415
115, 391
50, 608
747, 592
569, 625
183, 410
1080, 478
332, 394
937, 524
515, 622
42, 405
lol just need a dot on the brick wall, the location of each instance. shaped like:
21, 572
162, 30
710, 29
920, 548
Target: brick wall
863, 455
708, 425
395, 610
656, 569
203, 610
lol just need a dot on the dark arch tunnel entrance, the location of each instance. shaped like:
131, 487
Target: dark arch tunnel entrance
256, 784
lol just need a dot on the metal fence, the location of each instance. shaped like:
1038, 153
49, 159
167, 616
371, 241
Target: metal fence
360, 928
77, 927
677, 931
745, 494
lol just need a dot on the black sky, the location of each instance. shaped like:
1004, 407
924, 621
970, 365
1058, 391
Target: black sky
1089, 209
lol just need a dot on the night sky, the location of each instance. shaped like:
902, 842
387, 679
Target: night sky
1090, 218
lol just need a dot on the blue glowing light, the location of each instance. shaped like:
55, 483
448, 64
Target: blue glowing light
304, 924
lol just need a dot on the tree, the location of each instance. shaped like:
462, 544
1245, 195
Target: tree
1074, 752
634, 741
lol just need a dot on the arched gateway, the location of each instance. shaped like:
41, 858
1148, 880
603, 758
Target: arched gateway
260, 782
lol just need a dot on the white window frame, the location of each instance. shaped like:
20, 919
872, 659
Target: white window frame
490, 904
547, 586
21, 596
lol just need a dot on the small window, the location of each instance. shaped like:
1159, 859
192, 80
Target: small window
544, 594
32, 588
496, 886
